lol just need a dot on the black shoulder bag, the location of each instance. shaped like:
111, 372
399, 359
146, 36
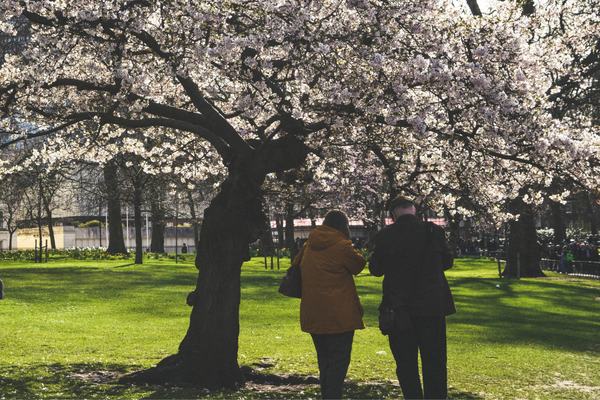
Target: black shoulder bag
291, 284
390, 319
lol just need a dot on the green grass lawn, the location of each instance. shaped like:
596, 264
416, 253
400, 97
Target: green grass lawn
69, 328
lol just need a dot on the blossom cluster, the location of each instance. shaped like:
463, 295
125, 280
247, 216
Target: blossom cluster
417, 96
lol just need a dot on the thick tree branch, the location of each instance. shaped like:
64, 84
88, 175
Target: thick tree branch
474, 7
226, 131
200, 131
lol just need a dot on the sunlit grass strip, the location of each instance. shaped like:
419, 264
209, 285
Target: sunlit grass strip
70, 327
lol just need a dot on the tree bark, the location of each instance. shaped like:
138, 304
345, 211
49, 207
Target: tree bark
195, 223
524, 252
454, 225
590, 203
158, 225
290, 241
137, 207
50, 226
474, 7
280, 231
115, 240
208, 354
560, 226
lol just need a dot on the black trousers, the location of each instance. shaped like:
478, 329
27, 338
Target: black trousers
427, 337
333, 355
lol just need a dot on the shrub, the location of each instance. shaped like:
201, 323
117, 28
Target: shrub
91, 224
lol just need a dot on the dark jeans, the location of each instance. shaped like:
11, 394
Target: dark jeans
333, 354
429, 338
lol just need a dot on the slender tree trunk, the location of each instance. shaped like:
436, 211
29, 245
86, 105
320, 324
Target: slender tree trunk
157, 216
50, 227
137, 207
195, 223
116, 240
290, 241
454, 225
39, 219
10, 238
280, 231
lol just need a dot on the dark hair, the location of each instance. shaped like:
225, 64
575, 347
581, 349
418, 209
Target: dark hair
402, 202
338, 220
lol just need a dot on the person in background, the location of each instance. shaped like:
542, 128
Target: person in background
330, 309
412, 255
184, 249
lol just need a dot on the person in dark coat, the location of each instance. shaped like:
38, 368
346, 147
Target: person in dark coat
412, 255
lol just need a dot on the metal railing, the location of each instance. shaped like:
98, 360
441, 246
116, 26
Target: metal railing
590, 269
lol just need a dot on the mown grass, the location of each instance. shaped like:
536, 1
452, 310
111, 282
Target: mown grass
69, 328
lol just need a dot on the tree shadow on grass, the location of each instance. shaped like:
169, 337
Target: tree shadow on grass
92, 380
78, 380
532, 311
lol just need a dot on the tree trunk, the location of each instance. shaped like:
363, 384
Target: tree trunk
194, 218
208, 354
560, 226
524, 252
591, 211
116, 240
280, 231
50, 227
454, 225
290, 241
157, 216
137, 207
10, 238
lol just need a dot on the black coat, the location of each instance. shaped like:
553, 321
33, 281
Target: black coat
414, 280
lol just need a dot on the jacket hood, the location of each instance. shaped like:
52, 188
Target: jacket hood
323, 237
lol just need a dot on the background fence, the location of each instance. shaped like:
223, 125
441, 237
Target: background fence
589, 269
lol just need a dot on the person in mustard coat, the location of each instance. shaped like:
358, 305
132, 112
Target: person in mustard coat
330, 309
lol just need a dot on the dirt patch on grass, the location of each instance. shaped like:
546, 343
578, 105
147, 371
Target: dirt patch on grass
256, 381
572, 386
95, 376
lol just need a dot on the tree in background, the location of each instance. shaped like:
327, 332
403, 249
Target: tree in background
12, 197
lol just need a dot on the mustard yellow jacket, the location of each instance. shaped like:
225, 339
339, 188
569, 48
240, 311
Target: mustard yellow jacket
329, 302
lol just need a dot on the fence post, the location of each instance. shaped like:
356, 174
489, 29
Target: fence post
518, 265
